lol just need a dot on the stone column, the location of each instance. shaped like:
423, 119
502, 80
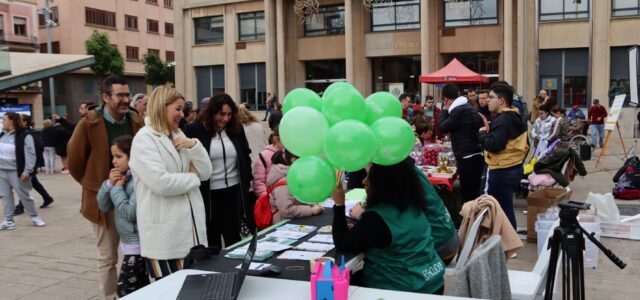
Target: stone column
271, 45
231, 80
348, 39
424, 44
600, 56
280, 48
507, 46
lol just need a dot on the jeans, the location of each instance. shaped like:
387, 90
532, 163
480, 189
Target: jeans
599, 128
502, 184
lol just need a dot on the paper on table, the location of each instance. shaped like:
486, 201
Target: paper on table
320, 247
255, 266
348, 205
322, 238
275, 247
273, 239
300, 255
325, 229
297, 228
329, 203
287, 234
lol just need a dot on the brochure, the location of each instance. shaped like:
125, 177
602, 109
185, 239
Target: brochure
287, 234
300, 255
239, 253
297, 228
322, 238
319, 247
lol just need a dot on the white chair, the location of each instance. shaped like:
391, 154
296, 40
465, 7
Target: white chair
531, 285
462, 258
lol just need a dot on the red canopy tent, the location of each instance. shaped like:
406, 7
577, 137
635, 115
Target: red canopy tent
454, 72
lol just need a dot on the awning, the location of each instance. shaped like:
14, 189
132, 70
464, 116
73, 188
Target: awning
30, 67
454, 72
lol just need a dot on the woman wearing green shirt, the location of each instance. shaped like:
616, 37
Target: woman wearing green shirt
393, 232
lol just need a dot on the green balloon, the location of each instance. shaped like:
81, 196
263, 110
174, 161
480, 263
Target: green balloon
301, 97
382, 104
334, 86
350, 145
311, 179
344, 103
395, 140
303, 130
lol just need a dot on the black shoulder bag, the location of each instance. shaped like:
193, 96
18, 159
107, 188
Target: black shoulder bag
199, 252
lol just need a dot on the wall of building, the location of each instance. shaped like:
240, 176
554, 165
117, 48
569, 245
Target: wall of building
22, 9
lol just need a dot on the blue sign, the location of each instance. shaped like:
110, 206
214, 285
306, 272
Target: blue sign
24, 109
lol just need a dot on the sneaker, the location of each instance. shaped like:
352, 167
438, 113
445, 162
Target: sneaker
7, 225
37, 221
515, 255
65, 171
46, 203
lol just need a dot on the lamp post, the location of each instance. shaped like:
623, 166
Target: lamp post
46, 11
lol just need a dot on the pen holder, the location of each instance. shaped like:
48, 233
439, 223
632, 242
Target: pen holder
329, 282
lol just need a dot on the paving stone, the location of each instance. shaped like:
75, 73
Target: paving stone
81, 282
11, 290
68, 292
37, 281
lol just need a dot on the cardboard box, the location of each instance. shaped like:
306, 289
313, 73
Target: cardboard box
538, 202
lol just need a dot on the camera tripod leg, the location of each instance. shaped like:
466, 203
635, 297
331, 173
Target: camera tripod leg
554, 244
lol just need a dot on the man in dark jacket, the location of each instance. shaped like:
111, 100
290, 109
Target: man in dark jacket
276, 116
506, 146
463, 123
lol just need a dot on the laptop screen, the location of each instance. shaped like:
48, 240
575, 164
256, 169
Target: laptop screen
246, 263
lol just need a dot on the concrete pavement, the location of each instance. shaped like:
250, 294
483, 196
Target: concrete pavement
58, 261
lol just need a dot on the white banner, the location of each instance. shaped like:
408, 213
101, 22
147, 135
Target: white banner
633, 74
396, 89
614, 113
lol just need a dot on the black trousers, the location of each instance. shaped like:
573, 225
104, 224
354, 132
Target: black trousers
223, 213
470, 173
39, 188
133, 275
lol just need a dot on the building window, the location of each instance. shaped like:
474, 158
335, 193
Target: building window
168, 28
330, 21
53, 16
130, 22
154, 2
154, 51
621, 8
19, 26
253, 85
1, 27
98, 17
170, 56
251, 26
168, 3
209, 81
389, 72
152, 26
470, 13
319, 74
619, 82
209, 30
55, 47
132, 53
551, 10
564, 74
396, 15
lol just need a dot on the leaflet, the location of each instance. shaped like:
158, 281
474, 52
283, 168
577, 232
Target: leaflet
318, 247
300, 255
322, 238
287, 234
297, 228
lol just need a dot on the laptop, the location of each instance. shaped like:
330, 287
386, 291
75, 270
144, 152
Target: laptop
218, 286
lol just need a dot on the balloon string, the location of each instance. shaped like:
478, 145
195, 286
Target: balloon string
339, 177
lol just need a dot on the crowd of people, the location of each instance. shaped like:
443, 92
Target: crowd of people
160, 175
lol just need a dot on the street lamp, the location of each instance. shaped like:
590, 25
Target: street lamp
46, 11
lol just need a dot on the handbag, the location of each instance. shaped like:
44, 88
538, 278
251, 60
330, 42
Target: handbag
199, 252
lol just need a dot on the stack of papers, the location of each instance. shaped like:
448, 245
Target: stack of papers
322, 238
301, 255
318, 247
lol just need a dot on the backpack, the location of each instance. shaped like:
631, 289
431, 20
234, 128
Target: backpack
262, 211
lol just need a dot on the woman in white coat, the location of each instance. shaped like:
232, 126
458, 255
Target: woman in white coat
167, 169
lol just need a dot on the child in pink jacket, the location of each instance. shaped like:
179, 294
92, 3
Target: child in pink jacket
283, 204
262, 164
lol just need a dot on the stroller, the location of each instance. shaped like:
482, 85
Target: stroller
557, 156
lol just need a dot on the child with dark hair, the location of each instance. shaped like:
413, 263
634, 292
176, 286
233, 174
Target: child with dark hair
117, 194
426, 134
283, 204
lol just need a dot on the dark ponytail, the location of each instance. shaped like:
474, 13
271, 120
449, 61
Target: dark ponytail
283, 157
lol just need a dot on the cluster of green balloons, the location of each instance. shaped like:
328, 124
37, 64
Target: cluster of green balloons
341, 130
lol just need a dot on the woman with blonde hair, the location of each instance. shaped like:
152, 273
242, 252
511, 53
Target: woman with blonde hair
255, 132
167, 170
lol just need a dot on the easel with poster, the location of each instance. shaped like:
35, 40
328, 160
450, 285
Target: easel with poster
611, 124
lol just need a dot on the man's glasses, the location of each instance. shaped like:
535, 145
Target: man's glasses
122, 95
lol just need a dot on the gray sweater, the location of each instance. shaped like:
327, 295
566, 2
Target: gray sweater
8, 153
123, 200
485, 274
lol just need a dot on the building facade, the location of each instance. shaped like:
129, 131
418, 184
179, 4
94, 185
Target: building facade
577, 50
19, 33
136, 27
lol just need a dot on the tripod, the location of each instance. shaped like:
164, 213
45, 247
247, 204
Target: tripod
568, 238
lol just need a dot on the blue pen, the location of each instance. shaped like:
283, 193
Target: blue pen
342, 265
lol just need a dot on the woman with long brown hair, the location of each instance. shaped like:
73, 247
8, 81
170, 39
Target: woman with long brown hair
226, 193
